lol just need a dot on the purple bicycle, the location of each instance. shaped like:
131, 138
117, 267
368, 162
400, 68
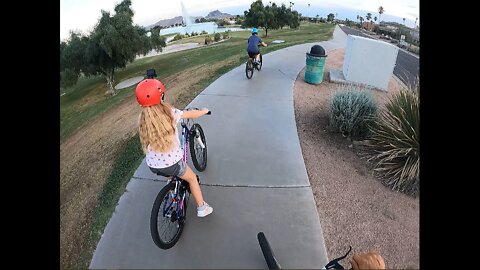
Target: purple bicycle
169, 210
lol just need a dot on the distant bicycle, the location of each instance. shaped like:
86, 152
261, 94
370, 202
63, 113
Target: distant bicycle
251, 65
169, 210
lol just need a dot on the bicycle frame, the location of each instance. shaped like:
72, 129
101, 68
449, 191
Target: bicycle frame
184, 142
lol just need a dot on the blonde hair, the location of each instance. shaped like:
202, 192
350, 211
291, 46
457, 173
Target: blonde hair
157, 128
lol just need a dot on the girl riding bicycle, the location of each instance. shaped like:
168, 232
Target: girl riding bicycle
160, 140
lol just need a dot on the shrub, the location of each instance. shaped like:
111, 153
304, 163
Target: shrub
394, 148
351, 111
208, 39
203, 32
217, 37
225, 34
177, 37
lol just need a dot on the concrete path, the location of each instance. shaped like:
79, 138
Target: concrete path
170, 49
129, 82
255, 179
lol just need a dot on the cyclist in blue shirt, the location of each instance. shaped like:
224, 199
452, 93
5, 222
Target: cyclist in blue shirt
253, 42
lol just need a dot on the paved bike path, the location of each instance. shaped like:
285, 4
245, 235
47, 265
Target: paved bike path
255, 179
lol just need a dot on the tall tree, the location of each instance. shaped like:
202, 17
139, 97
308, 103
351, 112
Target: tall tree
113, 43
72, 58
380, 12
330, 17
255, 16
369, 16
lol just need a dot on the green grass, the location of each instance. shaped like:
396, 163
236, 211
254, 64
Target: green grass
129, 157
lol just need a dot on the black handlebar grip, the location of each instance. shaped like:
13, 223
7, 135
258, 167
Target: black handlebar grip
209, 112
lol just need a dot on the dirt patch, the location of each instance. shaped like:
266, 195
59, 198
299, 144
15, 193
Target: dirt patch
86, 158
354, 207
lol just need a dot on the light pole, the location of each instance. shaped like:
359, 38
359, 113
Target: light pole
309, 12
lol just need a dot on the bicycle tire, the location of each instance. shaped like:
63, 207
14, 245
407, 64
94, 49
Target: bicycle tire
156, 212
267, 251
199, 159
259, 66
249, 70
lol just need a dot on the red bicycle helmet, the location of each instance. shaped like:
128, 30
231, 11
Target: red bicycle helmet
149, 92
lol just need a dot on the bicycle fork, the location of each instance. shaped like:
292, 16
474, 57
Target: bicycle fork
198, 139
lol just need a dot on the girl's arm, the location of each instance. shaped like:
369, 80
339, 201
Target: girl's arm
194, 113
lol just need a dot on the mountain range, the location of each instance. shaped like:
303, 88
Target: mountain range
216, 14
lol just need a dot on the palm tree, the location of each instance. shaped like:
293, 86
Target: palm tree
403, 21
380, 12
369, 16
416, 19
361, 22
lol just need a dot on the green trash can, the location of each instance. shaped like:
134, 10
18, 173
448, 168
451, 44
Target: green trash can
315, 65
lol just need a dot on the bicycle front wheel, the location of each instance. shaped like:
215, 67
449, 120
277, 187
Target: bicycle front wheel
259, 66
165, 226
198, 147
267, 251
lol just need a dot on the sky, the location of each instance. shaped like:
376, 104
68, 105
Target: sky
82, 15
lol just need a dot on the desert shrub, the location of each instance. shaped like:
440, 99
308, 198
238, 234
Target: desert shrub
395, 142
217, 37
203, 32
225, 34
352, 109
177, 37
208, 39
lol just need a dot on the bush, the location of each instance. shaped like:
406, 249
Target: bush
217, 37
351, 111
225, 34
395, 142
203, 32
177, 37
208, 39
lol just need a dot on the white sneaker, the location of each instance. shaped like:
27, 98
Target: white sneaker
205, 210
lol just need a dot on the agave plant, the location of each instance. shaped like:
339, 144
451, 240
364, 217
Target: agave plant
396, 142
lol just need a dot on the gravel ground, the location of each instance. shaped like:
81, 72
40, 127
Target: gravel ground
354, 207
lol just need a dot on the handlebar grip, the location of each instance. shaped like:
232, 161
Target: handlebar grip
209, 112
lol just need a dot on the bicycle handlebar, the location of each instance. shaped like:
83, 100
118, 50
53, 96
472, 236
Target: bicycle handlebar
272, 261
267, 252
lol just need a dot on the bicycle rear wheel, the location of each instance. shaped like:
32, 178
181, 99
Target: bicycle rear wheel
166, 229
249, 69
198, 147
